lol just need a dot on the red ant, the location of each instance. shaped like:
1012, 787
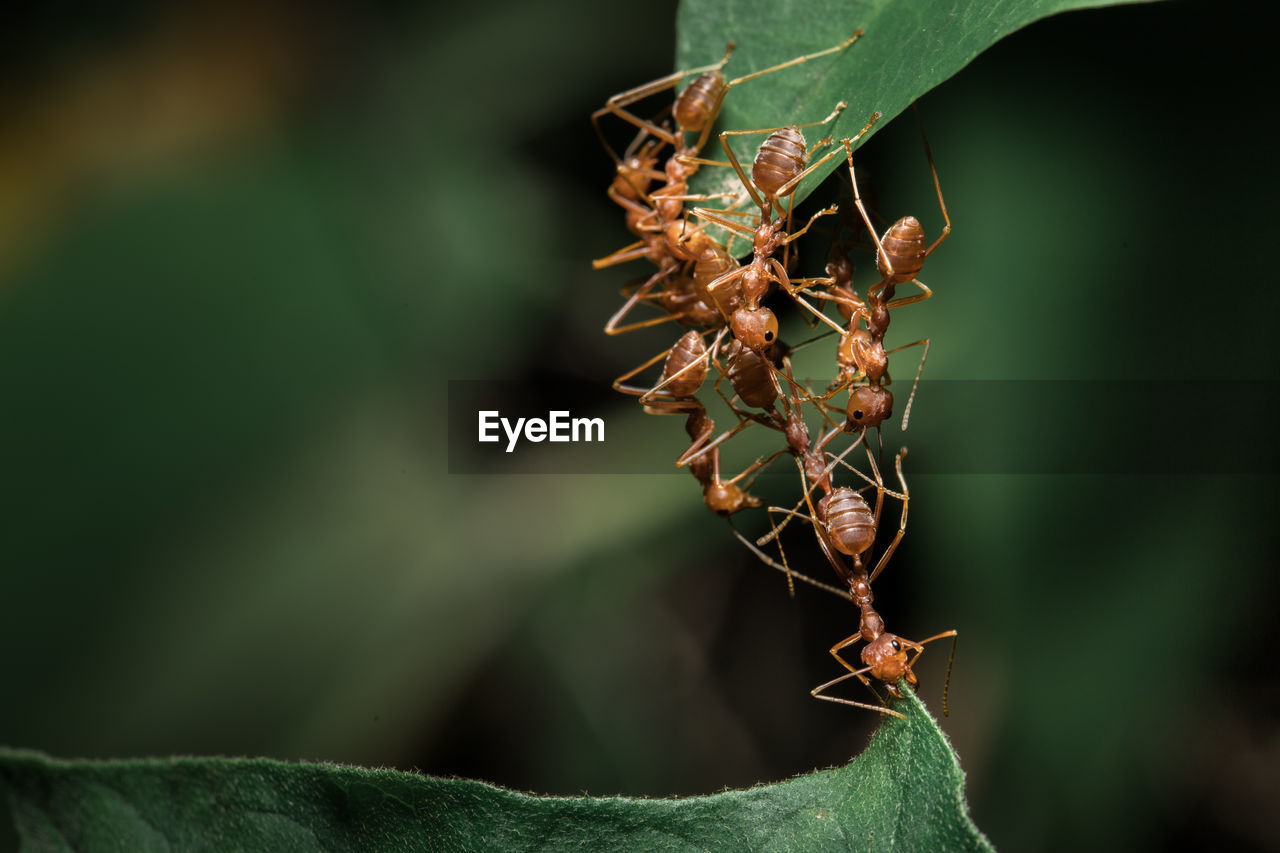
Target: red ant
845, 525
694, 110
778, 168
900, 255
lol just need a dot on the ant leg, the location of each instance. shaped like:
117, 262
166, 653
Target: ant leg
790, 185
799, 59
786, 244
951, 659
928, 153
629, 252
791, 587
787, 570
871, 484
616, 103
836, 387
841, 297
758, 464
794, 513
878, 484
902, 520
640, 324
672, 407
630, 389
779, 67
776, 529
648, 153
830, 117
882, 259
713, 216
906, 412
837, 460
647, 397
800, 300
852, 673
737, 167
695, 196
827, 211
698, 448
817, 693
908, 300
612, 327
825, 411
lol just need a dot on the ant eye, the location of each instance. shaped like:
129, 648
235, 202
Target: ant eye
857, 416
896, 646
768, 336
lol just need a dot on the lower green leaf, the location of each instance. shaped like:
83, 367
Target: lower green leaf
903, 793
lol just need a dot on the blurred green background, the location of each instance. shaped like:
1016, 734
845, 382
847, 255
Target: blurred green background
243, 248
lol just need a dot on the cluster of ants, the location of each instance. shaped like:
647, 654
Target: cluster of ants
700, 285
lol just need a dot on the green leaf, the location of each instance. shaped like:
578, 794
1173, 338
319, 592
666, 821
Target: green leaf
907, 48
902, 793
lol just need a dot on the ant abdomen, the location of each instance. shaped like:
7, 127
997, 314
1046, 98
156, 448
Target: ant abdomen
752, 379
781, 157
680, 297
700, 101
904, 248
711, 265
850, 523
687, 363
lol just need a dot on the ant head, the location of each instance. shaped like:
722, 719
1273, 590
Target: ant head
756, 328
886, 656
724, 499
869, 406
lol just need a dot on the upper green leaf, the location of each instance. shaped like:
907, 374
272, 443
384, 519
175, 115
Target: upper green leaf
907, 48
903, 793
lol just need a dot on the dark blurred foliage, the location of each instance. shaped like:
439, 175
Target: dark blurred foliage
244, 247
